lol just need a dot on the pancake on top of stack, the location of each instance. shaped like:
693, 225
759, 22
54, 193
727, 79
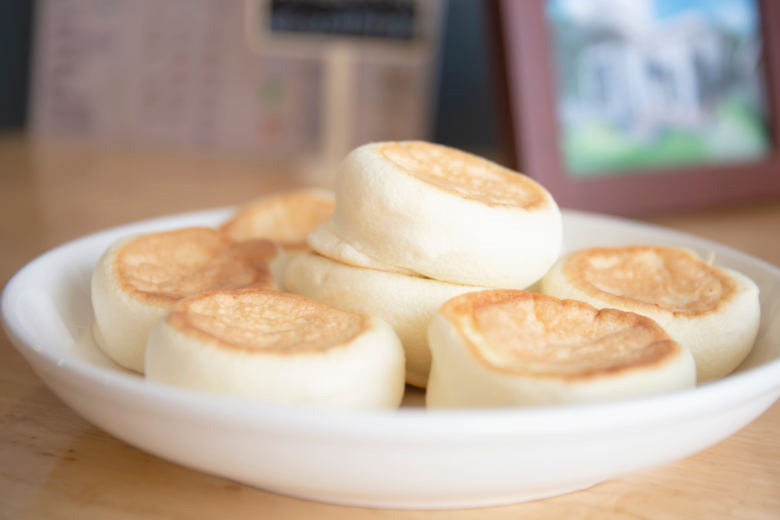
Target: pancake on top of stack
277, 347
509, 347
417, 224
138, 278
423, 209
713, 311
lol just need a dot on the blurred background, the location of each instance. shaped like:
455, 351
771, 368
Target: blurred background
180, 73
638, 88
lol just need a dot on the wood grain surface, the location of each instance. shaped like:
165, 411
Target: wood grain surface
54, 464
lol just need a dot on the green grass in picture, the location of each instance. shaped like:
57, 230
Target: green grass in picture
598, 149
734, 133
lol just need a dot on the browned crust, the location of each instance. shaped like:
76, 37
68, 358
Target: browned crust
253, 320
655, 347
286, 218
623, 281
153, 269
458, 173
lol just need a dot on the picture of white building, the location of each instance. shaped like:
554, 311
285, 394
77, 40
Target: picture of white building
627, 71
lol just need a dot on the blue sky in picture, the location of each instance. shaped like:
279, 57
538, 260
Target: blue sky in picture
738, 16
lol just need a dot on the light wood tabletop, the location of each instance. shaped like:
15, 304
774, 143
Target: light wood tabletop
54, 464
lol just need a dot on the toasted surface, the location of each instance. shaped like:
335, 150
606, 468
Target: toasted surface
286, 218
162, 268
254, 319
464, 174
650, 279
535, 335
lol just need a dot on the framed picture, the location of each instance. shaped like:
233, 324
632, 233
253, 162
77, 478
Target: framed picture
645, 106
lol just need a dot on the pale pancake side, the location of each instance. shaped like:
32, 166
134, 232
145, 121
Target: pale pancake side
651, 279
267, 321
533, 335
407, 303
286, 218
465, 174
162, 268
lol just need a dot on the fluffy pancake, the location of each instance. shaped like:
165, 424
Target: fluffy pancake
286, 218
138, 278
711, 310
277, 347
505, 348
407, 303
423, 209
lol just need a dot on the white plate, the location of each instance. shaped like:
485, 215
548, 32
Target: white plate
405, 459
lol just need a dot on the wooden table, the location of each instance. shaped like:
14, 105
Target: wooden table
54, 464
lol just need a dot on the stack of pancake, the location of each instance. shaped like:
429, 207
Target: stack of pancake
139, 278
417, 224
201, 308
416, 270
635, 321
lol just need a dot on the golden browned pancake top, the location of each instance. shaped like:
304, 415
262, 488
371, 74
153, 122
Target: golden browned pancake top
530, 334
162, 268
650, 279
286, 218
465, 174
270, 321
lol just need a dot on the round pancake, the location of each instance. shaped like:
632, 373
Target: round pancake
286, 218
507, 347
277, 347
711, 310
422, 209
138, 278
407, 303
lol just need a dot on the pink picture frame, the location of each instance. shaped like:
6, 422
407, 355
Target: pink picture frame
532, 104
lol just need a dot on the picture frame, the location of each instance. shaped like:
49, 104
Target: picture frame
532, 92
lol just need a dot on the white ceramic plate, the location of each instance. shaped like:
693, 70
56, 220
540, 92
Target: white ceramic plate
406, 459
